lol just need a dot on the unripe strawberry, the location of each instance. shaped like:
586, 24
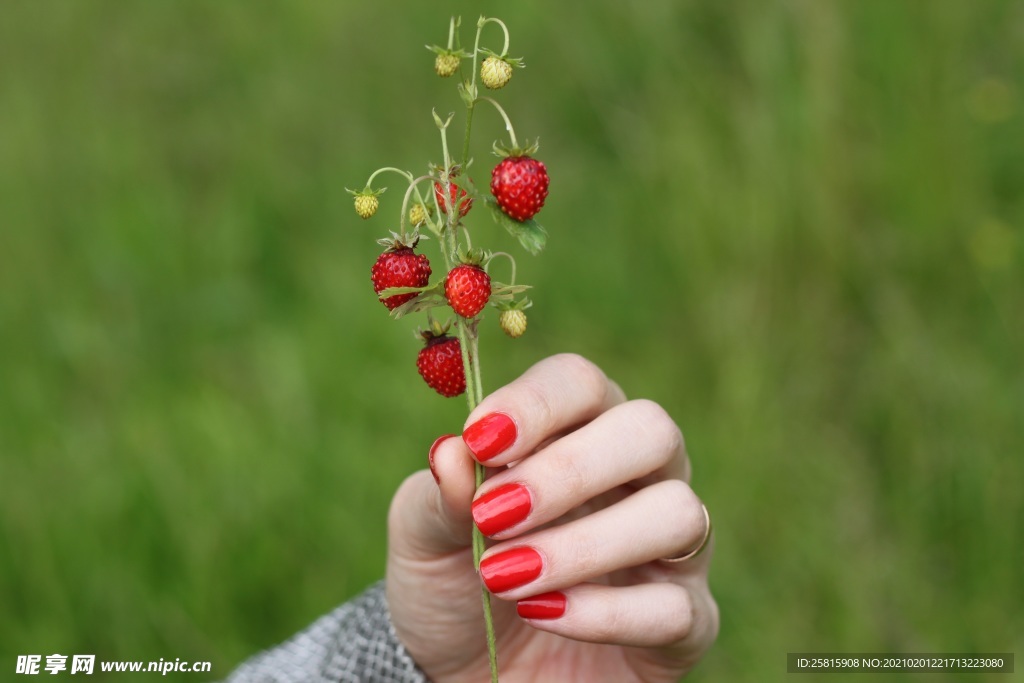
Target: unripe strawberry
457, 195
366, 205
446, 64
467, 289
513, 322
399, 266
495, 72
417, 215
440, 365
520, 186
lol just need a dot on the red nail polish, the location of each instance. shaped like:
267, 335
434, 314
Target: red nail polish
501, 508
491, 435
511, 569
543, 606
430, 455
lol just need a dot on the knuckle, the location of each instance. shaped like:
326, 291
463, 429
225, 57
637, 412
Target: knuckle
542, 410
584, 551
587, 377
573, 479
680, 625
610, 626
679, 505
400, 502
657, 425
678, 494
712, 619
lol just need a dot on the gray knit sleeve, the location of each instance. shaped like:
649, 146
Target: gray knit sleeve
356, 643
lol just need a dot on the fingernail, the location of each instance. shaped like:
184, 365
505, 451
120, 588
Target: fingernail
501, 508
430, 455
511, 569
543, 606
491, 435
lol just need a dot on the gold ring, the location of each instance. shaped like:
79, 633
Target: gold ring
703, 542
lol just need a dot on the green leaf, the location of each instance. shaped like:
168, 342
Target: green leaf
436, 288
395, 291
530, 234
442, 124
499, 289
422, 302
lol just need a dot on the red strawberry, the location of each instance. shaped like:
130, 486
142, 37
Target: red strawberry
520, 184
440, 365
399, 266
467, 289
458, 198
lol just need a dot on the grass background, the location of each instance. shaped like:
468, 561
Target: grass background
797, 225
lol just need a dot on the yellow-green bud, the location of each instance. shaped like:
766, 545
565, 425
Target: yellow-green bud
446, 64
366, 205
417, 216
513, 322
495, 72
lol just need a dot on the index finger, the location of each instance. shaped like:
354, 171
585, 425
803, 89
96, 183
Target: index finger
551, 397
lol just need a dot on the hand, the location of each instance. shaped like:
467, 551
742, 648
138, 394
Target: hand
588, 491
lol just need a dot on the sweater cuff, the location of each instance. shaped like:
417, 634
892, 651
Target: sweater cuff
356, 643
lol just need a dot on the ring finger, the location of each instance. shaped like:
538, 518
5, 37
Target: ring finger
653, 523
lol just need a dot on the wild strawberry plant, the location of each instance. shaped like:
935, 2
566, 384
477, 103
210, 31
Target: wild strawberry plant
449, 360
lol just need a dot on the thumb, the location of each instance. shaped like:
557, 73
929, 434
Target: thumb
430, 515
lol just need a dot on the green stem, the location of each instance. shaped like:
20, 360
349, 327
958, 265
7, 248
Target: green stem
405, 201
508, 123
476, 50
483, 21
493, 20
468, 343
452, 247
449, 202
440, 224
451, 33
469, 127
468, 339
429, 221
404, 174
510, 260
474, 356
444, 146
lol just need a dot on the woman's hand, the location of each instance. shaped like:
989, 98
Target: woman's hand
588, 492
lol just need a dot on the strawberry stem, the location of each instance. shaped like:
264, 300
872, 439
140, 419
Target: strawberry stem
404, 174
447, 156
405, 200
466, 330
483, 21
469, 343
492, 20
510, 260
469, 127
476, 51
508, 124
451, 32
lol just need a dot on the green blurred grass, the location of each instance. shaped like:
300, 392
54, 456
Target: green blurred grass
797, 225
